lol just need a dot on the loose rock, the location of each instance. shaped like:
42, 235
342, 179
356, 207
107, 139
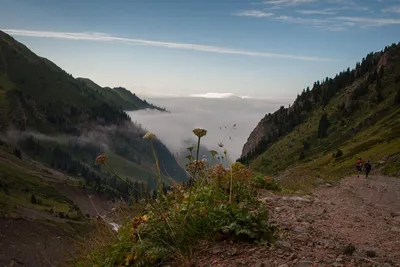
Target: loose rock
283, 245
370, 253
349, 249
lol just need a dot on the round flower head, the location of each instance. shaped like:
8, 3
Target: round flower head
149, 136
101, 159
213, 153
199, 132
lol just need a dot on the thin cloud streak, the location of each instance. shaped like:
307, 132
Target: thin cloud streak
393, 9
101, 37
315, 12
371, 22
254, 13
287, 2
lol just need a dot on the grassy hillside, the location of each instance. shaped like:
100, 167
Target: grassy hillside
119, 97
356, 113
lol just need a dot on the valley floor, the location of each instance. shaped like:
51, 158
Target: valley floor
320, 229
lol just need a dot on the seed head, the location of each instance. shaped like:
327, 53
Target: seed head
199, 132
149, 136
190, 148
213, 153
101, 159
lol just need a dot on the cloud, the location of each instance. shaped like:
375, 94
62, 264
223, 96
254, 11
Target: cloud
287, 2
218, 95
101, 37
392, 9
254, 13
369, 22
209, 113
315, 12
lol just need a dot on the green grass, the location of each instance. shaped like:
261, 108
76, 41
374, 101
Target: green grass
285, 152
19, 180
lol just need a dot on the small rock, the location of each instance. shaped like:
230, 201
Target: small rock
216, 251
299, 229
283, 245
328, 185
349, 249
339, 259
370, 253
259, 264
323, 242
395, 229
395, 214
304, 264
269, 263
319, 180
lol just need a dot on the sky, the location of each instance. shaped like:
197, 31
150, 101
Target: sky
216, 115
261, 49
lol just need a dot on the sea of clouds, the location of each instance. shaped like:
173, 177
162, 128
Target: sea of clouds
217, 115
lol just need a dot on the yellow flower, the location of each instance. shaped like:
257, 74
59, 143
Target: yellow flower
149, 136
101, 159
145, 218
199, 132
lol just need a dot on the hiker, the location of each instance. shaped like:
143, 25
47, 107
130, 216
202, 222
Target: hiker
367, 168
359, 166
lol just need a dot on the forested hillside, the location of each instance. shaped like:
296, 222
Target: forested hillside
64, 123
354, 114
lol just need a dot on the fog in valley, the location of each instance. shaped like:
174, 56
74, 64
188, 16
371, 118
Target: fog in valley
216, 115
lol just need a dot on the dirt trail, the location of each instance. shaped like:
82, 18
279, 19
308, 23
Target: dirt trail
315, 230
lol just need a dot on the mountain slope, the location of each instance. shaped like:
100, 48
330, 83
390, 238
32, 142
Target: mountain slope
52, 127
119, 96
357, 112
65, 122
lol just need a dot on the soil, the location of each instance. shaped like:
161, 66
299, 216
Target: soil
356, 223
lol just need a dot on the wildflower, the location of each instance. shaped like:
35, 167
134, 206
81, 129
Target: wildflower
213, 153
149, 136
101, 159
145, 218
199, 132
190, 148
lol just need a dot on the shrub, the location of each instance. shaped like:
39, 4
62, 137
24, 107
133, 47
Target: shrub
265, 182
217, 204
33, 199
301, 156
338, 154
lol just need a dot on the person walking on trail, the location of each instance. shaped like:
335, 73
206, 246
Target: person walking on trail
359, 166
367, 168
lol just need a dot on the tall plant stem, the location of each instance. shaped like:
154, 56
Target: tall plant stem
194, 177
159, 179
